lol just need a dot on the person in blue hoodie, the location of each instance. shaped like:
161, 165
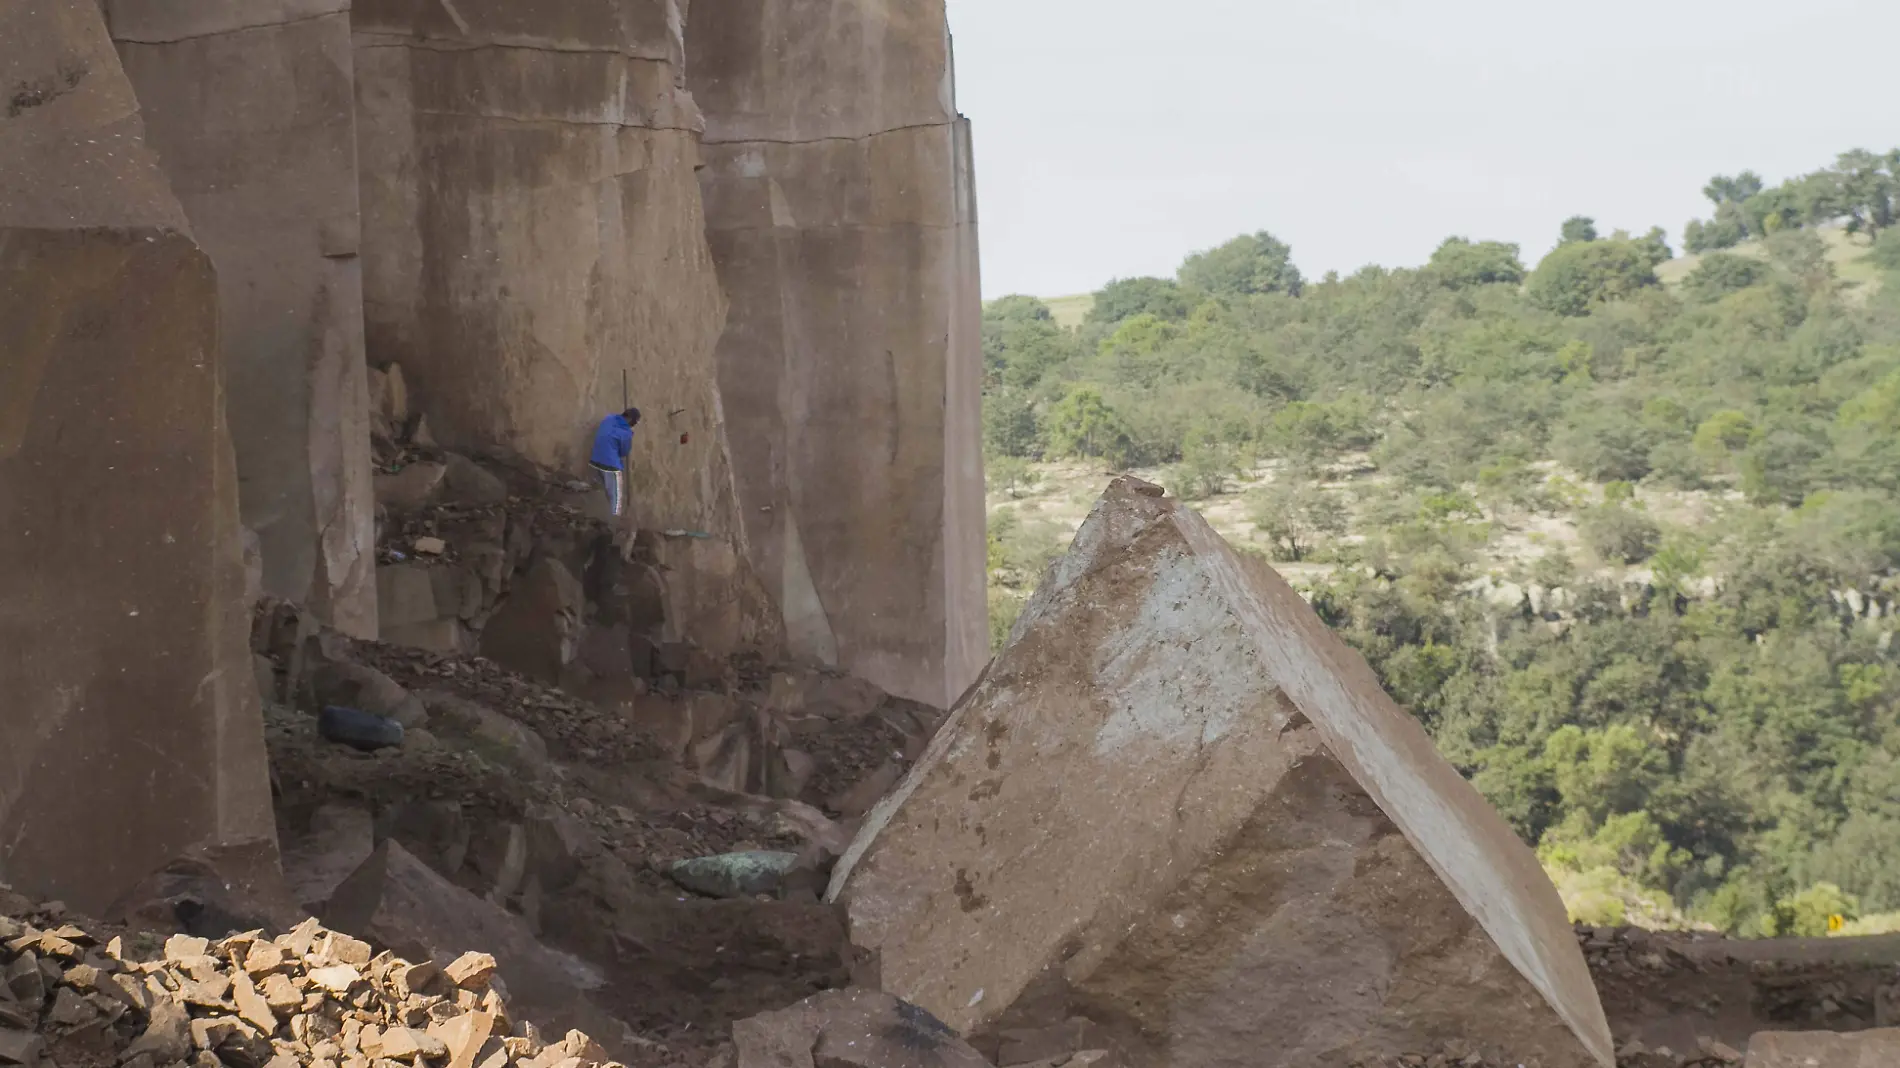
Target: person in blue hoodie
612, 442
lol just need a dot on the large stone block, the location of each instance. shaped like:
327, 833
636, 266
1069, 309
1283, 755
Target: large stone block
1178, 805
124, 658
841, 210
533, 237
250, 108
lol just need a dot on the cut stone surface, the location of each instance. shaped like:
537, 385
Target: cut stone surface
340, 839
124, 653
851, 1029
1184, 805
537, 630
251, 110
1822, 1049
533, 237
840, 207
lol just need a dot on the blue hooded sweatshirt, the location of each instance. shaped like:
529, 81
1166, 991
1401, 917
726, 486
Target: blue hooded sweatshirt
612, 442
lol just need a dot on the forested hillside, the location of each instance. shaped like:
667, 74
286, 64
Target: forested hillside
1630, 551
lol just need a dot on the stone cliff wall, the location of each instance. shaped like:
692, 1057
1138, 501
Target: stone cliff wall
532, 232
127, 707
249, 105
840, 204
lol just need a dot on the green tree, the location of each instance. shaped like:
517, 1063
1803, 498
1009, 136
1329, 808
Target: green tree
1022, 341
1010, 474
1722, 273
1722, 435
1126, 298
1297, 519
1208, 466
1010, 426
1806, 914
1605, 443
1620, 534
1578, 276
1247, 265
1578, 228
1082, 424
1460, 264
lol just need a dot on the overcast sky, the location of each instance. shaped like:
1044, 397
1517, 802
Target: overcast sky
1115, 136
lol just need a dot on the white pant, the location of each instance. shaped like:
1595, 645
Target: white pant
614, 483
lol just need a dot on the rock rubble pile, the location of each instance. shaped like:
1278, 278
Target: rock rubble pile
75, 997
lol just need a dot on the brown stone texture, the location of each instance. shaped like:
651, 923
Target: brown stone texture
250, 109
1823, 1049
532, 233
399, 903
841, 210
1178, 805
850, 1029
130, 712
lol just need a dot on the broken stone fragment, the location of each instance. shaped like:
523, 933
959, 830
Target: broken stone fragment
471, 971
338, 978
167, 1036
413, 979
338, 948
71, 1009
1180, 796
181, 948
733, 875
212, 1032
264, 958
253, 1007
20, 1047
25, 980
281, 994
464, 1036
404, 1043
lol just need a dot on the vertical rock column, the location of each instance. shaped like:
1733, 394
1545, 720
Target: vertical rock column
249, 106
129, 728
840, 202
533, 237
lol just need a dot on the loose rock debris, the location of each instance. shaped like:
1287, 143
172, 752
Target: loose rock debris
76, 998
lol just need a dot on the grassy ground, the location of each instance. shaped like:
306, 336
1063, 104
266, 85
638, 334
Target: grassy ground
1847, 252
1070, 311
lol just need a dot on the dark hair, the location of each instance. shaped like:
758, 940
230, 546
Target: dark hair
632, 416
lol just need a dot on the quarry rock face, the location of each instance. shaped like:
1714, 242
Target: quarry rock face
1177, 805
250, 109
841, 211
533, 237
123, 651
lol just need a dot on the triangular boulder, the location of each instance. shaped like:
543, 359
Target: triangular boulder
1176, 804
